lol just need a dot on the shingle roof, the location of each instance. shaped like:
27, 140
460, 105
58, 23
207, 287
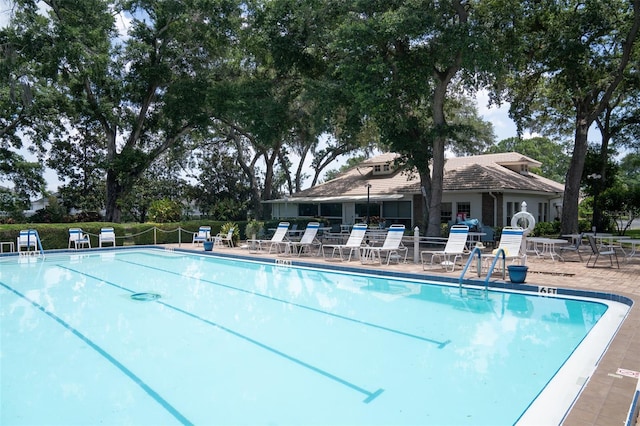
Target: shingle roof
474, 173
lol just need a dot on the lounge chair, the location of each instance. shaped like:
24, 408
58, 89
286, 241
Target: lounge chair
276, 240
511, 245
78, 239
391, 248
27, 240
598, 251
107, 235
353, 244
455, 247
222, 239
204, 234
307, 241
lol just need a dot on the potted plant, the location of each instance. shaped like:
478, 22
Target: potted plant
517, 273
253, 229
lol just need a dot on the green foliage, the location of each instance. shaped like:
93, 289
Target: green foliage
224, 230
254, 227
229, 209
53, 213
162, 211
545, 229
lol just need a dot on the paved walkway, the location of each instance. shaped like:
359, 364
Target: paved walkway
608, 395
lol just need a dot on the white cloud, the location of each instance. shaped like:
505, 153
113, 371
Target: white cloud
503, 125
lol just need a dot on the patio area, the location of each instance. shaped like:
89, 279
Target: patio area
608, 395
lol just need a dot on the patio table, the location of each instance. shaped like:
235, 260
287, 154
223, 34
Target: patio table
546, 246
634, 247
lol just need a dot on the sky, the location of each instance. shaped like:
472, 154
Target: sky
503, 126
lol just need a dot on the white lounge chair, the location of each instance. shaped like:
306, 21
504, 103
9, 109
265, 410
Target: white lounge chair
307, 241
510, 243
78, 239
455, 247
391, 248
353, 244
276, 240
107, 235
204, 234
227, 238
27, 240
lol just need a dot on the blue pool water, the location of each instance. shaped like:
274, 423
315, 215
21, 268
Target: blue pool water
240, 342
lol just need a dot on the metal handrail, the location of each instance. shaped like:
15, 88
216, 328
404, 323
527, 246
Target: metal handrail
479, 268
493, 264
477, 250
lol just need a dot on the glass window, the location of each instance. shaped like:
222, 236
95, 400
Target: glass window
308, 210
446, 212
396, 209
331, 210
361, 210
543, 212
463, 210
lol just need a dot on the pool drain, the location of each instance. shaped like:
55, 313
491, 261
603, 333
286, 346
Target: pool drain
145, 297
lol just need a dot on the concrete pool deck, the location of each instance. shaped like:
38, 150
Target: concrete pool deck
608, 395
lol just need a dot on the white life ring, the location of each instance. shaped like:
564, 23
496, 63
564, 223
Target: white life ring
528, 217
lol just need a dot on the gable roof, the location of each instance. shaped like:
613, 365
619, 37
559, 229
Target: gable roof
478, 173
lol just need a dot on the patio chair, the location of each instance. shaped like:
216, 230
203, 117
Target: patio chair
353, 244
227, 238
598, 251
27, 240
510, 243
204, 234
574, 247
391, 248
307, 241
78, 239
276, 240
107, 235
455, 247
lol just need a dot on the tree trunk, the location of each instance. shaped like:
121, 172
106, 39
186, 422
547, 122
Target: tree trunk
114, 191
574, 175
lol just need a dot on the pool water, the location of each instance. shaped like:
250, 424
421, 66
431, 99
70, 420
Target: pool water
241, 342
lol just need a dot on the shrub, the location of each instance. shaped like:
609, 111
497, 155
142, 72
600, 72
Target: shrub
165, 210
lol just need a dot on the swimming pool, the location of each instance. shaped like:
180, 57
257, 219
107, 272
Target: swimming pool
240, 342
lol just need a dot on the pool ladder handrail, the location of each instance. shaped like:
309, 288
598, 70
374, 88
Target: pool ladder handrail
35, 232
477, 250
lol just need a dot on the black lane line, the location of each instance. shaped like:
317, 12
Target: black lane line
370, 396
439, 344
137, 380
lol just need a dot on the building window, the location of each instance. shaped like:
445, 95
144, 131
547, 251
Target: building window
463, 210
331, 210
309, 210
397, 212
543, 212
386, 167
512, 208
361, 210
446, 212
376, 168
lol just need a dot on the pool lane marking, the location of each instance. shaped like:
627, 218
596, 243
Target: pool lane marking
137, 380
370, 396
438, 343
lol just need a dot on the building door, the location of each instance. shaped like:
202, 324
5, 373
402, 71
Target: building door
348, 213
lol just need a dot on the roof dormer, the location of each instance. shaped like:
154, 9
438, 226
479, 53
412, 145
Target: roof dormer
382, 169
